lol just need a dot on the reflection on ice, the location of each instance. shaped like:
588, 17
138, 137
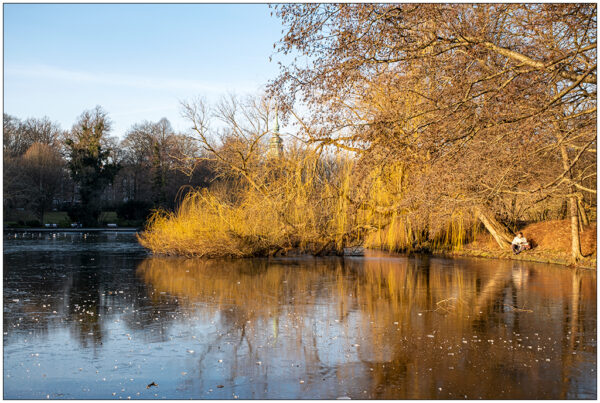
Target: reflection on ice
94, 317
388, 324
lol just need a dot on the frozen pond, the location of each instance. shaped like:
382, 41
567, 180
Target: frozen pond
96, 317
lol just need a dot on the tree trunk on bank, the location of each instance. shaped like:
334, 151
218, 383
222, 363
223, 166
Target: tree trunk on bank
564, 210
574, 212
584, 218
500, 233
575, 241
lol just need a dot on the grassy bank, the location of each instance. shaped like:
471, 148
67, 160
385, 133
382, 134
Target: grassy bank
25, 218
551, 244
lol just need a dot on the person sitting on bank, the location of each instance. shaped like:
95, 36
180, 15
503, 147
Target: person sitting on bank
519, 244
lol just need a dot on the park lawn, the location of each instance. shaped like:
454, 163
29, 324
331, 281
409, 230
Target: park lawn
56, 217
108, 217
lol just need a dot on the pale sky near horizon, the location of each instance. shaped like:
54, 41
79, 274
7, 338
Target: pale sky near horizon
137, 61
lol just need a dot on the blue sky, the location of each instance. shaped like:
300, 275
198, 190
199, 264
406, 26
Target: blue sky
135, 60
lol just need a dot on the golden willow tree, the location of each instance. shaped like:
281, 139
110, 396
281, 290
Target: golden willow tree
258, 204
483, 103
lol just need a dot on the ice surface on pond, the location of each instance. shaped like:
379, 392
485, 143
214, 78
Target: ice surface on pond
96, 317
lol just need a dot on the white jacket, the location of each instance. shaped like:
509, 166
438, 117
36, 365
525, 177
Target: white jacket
519, 241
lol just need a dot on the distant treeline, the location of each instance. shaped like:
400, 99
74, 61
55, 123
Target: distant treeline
85, 170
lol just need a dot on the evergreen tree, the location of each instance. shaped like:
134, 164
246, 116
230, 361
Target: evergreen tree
91, 164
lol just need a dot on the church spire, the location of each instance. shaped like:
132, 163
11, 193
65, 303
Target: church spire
275, 143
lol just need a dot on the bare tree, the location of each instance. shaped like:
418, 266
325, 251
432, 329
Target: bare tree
19, 135
43, 167
237, 144
469, 95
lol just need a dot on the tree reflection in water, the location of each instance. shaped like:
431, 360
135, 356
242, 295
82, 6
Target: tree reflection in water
386, 327
98, 313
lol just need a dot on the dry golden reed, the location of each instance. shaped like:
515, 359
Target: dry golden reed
298, 204
303, 203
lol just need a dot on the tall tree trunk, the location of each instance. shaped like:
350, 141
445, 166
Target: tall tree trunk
564, 210
513, 212
584, 218
575, 241
41, 215
579, 219
574, 212
500, 233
